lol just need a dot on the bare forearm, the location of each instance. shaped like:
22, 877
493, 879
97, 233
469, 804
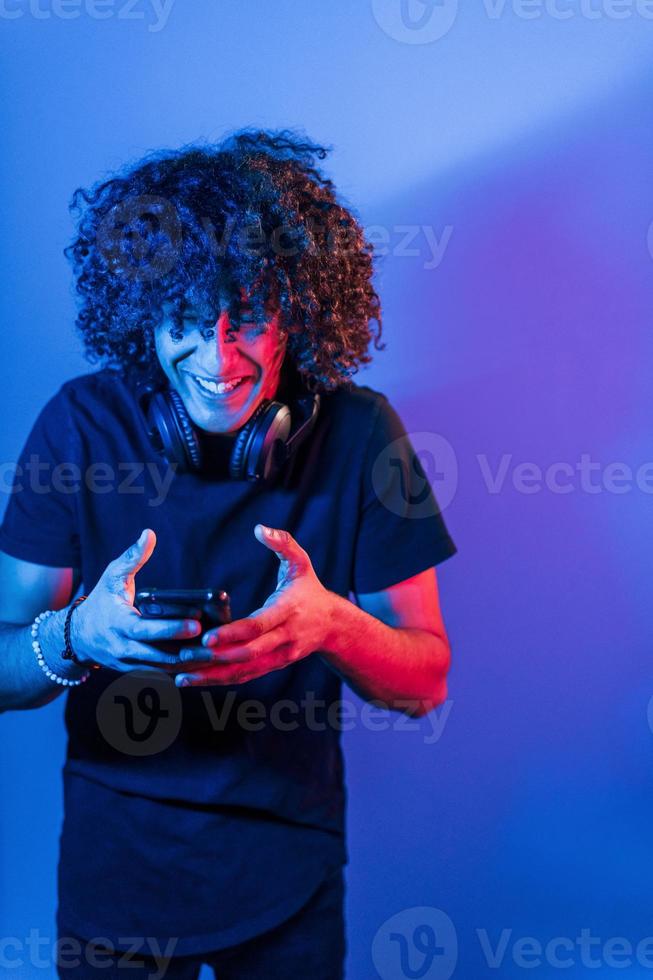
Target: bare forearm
404, 668
23, 684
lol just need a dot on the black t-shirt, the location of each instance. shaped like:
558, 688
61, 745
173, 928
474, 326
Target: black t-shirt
210, 814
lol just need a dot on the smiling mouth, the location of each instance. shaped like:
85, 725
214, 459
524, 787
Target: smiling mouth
213, 391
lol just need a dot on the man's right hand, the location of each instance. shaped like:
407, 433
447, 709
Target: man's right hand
107, 629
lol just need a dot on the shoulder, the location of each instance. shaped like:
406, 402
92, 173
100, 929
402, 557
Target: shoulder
356, 406
101, 385
93, 403
97, 398
367, 415
86, 390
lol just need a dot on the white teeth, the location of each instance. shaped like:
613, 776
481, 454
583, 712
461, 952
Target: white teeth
214, 387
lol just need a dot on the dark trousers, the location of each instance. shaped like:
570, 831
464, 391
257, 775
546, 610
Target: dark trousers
311, 944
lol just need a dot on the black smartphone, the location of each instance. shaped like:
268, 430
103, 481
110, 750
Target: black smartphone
210, 606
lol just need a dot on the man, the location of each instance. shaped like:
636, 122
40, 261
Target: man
203, 788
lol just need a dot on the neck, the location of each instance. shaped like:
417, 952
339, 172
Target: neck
288, 383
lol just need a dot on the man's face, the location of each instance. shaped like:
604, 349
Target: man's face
207, 355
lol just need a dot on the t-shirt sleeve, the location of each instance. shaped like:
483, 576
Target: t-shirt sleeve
40, 520
401, 531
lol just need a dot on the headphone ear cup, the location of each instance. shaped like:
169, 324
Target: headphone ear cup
260, 447
179, 440
236, 463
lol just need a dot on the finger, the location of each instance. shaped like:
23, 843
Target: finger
241, 630
207, 678
237, 652
283, 544
140, 628
227, 674
125, 566
145, 654
195, 655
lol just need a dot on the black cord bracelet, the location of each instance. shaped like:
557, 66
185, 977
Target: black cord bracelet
69, 653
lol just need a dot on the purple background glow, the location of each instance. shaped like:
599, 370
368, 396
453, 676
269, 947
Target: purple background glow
530, 139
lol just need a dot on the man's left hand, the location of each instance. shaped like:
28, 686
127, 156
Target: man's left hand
293, 622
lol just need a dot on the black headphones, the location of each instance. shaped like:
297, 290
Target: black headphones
260, 448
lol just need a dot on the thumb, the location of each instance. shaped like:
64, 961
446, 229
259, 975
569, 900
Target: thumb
283, 544
124, 567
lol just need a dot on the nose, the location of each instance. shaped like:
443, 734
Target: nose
222, 355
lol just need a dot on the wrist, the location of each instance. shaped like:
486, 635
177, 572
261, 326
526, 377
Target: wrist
337, 608
77, 637
51, 639
73, 647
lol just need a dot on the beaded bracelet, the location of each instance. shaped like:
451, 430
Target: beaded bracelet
36, 646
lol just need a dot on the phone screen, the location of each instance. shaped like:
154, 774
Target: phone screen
210, 606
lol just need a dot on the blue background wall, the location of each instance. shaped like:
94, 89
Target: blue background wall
523, 143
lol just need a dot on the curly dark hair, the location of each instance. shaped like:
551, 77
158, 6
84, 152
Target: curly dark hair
200, 224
